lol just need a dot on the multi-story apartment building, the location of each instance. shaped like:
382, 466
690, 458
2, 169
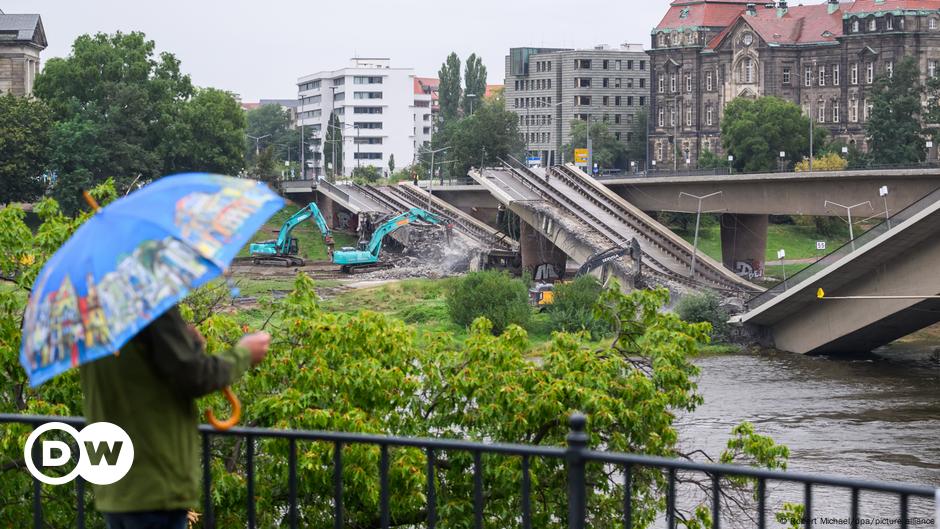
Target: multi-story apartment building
22, 38
380, 113
823, 57
427, 107
549, 88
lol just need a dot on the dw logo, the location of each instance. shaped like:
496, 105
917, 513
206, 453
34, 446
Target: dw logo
106, 453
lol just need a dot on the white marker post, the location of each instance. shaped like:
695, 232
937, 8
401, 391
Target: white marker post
884, 195
780, 255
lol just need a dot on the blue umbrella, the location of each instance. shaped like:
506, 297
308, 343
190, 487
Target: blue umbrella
132, 261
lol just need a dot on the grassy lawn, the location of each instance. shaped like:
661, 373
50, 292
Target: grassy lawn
421, 304
308, 236
798, 241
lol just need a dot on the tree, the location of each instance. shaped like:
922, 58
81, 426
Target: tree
333, 146
710, 160
116, 107
391, 164
366, 372
25, 131
368, 173
609, 152
827, 162
209, 136
755, 131
265, 166
449, 91
637, 143
498, 297
274, 122
894, 130
487, 136
475, 83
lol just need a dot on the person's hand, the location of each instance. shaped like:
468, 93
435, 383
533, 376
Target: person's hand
257, 344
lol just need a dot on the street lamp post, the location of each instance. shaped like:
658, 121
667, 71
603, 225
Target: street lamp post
698, 219
471, 97
730, 163
848, 210
258, 142
431, 174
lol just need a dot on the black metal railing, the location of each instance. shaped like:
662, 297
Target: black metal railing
575, 456
797, 279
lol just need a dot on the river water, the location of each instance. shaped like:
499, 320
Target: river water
875, 417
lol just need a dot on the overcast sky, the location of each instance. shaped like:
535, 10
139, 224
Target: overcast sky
259, 48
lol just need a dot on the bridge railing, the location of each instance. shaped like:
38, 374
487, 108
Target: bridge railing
828, 260
627, 470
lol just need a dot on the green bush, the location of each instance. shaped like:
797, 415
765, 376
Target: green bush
705, 307
493, 295
573, 308
367, 173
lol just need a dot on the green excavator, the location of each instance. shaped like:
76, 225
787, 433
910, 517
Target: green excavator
284, 250
367, 254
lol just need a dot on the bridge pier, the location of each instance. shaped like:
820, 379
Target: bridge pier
537, 250
744, 243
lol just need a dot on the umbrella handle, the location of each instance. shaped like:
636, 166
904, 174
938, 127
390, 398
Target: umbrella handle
236, 412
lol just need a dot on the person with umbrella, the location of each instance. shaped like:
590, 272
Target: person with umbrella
106, 302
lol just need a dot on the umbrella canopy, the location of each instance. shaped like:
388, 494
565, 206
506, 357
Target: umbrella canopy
132, 261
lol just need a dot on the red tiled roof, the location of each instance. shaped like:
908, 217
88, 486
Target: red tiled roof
250, 106
800, 25
493, 88
872, 6
702, 13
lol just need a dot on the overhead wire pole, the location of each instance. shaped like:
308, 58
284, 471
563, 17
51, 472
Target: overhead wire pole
848, 210
698, 219
431, 174
258, 142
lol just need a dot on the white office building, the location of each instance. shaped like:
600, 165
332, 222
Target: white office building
379, 110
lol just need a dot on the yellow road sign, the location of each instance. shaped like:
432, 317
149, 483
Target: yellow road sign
580, 156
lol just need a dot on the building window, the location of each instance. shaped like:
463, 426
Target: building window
662, 117
582, 64
854, 26
708, 81
822, 76
618, 65
748, 70
606, 82
868, 109
932, 68
672, 117
642, 101
629, 101
672, 84
662, 84
808, 76
660, 151
617, 101
605, 64
367, 95
708, 115
688, 83
642, 65
688, 116
889, 23
581, 101
364, 79
367, 155
870, 73
873, 24
367, 110
617, 82
642, 82
821, 112
933, 23
853, 111
853, 74
889, 68
606, 100
835, 112
582, 82
367, 141
616, 119
786, 76
835, 75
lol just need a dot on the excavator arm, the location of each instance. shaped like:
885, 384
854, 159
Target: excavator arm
395, 223
310, 210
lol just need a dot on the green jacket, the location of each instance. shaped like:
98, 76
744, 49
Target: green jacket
150, 390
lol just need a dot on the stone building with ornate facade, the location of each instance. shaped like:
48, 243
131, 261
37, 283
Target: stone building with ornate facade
824, 57
22, 38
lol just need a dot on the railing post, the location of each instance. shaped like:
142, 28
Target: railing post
577, 487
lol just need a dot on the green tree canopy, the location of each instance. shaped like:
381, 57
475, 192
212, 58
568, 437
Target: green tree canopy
475, 83
609, 152
123, 111
637, 144
489, 134
209, 136
265, 166
25, 131
755, 131
274, 122
449, 91
894, 130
